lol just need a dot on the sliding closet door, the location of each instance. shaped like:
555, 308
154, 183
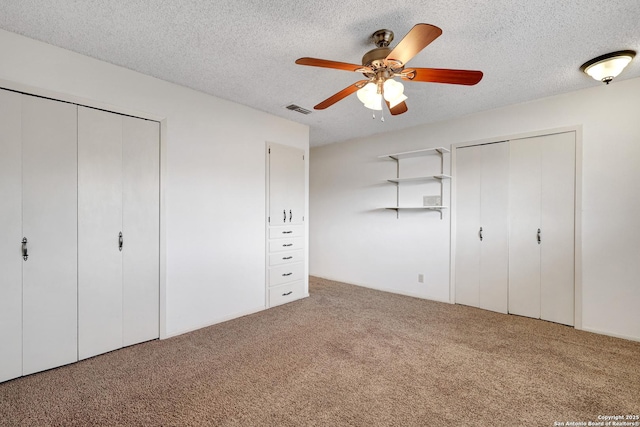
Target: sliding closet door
141, 229
11, 235
494, 217
99, 226
524, 248
557, 228
467, 179
49, 182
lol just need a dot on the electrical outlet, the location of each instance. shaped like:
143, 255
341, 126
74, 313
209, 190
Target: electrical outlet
420, 278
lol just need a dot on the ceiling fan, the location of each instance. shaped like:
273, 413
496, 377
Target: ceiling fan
382, 64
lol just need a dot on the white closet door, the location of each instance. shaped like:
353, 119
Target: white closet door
99, 225
467, 180
11, 235
524, 221
141, 230
296, 186
49, 179
557, 228
494, 217
286, 185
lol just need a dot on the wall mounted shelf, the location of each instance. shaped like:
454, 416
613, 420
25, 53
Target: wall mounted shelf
397, 157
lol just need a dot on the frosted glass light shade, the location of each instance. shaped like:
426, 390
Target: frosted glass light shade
370, 97
604, 68
393, 92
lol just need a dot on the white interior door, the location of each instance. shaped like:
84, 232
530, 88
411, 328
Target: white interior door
99, 225
467, 262
494, 220
524, 221
141, 230
296, 186
49, 182
286, 185
11, 235
557, 228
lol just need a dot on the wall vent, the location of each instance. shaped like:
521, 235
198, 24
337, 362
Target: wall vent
299, 109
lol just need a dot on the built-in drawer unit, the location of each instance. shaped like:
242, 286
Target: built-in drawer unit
286, 231
286, 293
285, 273
279, 258
286, 244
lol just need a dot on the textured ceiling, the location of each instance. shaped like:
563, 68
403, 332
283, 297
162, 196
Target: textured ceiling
244, 51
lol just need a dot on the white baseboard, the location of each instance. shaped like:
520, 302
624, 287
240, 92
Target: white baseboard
215, 322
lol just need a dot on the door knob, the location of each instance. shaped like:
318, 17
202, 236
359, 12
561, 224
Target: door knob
480, 234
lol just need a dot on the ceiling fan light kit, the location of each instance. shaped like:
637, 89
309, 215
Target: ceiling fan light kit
606, 67
382, 64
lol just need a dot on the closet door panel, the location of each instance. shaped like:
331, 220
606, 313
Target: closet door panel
494, 219
49, 144
141, 223
524, 221
468, 175
99, 225
278, 185
296, 186
286, 185
11, 232
557, 228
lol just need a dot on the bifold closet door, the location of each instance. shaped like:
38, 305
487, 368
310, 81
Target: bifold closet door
141, 229
481, 226
541, 251
467, 179
49, 222
494, 216
99, 227
11, 235
557, 222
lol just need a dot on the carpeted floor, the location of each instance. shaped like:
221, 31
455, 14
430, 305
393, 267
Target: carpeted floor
346, 356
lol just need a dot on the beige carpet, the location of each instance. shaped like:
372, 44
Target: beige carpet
345, 356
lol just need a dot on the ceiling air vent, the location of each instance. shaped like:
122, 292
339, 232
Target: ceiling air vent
299, 109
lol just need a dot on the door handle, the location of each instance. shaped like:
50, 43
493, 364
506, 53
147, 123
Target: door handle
284, 212
290, 215
480, 234
120, 242
25, 253
539, 235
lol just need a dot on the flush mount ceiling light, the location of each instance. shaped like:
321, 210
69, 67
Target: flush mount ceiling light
605, 67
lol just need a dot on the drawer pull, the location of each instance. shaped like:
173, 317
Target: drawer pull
287, 232
287, 244
287, 257
287, 274
287, 293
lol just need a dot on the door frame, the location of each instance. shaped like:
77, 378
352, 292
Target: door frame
72, 99
577, 208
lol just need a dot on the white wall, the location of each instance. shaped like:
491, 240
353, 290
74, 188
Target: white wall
214, 175
352, 242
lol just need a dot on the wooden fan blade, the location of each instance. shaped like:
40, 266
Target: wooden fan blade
341, 95
416, 39
440, 75
398, 109
315, 62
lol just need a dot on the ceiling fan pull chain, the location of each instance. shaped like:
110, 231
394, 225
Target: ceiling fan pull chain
381, 110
